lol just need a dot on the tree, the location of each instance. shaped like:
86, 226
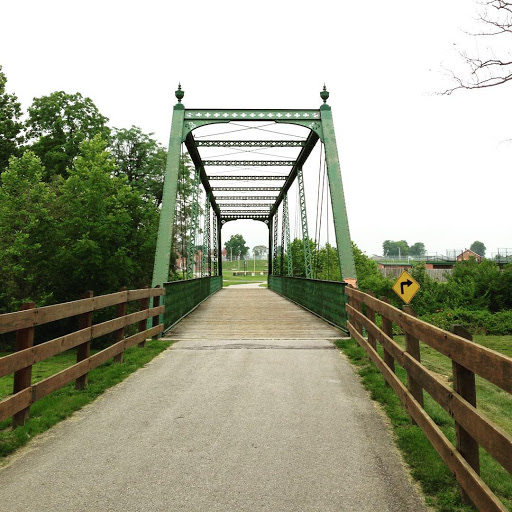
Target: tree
493, 65
392, 248
478, 247
141, 159
11, 126
260, 251
57, 124
28, 229
108, 230
417, 249
236, 246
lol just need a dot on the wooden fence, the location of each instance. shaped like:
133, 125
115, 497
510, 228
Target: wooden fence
29, 317
473, 429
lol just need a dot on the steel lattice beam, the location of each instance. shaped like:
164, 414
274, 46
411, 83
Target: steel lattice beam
247, 178
236, 217
248, 198
256, 212
247, 189
194, 223
289, 260
247, 205
250, 143
249, 163
215, 243
304, 222
205, 266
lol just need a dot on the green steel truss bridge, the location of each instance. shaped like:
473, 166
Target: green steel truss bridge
257, 188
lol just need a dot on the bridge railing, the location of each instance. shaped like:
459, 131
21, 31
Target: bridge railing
182, 297
25, 322
325, 299
473, 428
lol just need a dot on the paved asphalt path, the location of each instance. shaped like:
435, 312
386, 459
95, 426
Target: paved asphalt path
222, 424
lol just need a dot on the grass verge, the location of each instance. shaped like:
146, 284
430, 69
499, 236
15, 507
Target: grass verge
62, 403
437, 482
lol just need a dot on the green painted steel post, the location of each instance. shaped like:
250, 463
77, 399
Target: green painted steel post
304, 222
164, 240
219, 242
339, 210
270, 243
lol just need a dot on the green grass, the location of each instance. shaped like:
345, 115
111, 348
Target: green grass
62, 403
229, 267
427, 467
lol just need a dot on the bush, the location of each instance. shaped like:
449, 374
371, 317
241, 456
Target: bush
476, 322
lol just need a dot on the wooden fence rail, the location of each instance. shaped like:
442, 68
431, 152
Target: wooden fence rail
29, 317
473, 428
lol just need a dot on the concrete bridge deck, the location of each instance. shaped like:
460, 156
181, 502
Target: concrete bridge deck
253, 409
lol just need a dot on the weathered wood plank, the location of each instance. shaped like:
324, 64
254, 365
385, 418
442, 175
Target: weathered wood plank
491, 365
50, 384
489, 435
476, 488
38, 316
15, 403
17, 360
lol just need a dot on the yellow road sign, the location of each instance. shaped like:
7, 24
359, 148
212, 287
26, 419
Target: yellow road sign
406, 287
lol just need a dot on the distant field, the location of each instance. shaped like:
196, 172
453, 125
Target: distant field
230, 267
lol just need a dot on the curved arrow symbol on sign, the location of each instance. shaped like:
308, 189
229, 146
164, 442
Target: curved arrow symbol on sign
405, 283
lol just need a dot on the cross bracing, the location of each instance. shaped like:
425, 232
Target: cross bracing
247, 198
250, 143
249, 163
247, 189
246, 205
273, 146
248, 178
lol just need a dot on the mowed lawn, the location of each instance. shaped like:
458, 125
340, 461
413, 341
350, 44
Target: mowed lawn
229, 268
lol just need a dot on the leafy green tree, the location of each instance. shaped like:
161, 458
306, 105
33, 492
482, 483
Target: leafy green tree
236, 246
11, 126
28, 230
260, 251
393, 248
417, 249
141, 159
107, 229
326, 264
368, 275
478, 247
57, 124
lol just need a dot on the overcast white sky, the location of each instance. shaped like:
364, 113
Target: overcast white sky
416, 166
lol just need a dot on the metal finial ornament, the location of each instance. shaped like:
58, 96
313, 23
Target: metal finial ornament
179, 93
324, 94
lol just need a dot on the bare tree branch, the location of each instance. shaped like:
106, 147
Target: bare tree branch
496, 17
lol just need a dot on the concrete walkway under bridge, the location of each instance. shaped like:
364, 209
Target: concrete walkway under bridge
252, 409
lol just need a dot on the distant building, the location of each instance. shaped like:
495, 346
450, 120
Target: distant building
468, 254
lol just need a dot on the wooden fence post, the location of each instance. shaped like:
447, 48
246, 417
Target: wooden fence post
143, 304
84, 350
464, 385
23, 377
387, 327
119, 334
156, 318
412, 346
370, 313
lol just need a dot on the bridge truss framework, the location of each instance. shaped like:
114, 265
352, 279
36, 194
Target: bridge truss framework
321, 129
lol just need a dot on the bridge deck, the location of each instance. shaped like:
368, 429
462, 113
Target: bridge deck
252, 410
